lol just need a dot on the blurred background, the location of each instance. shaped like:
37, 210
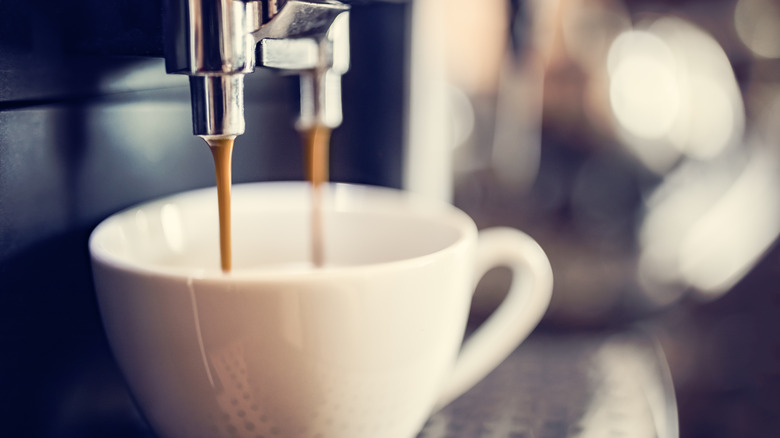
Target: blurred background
636, 140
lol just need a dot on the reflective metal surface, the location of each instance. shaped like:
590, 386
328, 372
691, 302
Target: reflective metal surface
587, 385
214, 43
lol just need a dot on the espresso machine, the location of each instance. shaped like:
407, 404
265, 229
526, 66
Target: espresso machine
99, 101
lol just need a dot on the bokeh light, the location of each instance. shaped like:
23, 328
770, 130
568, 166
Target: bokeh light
673, 94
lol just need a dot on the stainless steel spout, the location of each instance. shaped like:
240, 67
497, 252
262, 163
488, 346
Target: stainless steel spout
215, 41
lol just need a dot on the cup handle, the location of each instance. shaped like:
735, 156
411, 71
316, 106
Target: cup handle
517, 315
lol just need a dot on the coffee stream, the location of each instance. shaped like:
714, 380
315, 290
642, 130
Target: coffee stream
222, 151
316, 141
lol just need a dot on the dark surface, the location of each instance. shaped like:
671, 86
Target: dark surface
725, 358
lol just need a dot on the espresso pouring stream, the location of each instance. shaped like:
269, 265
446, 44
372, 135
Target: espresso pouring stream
316, 142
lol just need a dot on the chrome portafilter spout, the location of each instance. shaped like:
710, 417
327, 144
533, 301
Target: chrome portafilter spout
317, 48
215, 42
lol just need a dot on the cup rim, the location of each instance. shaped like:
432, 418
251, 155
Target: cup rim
465, 226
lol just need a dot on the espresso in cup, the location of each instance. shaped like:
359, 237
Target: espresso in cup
368, 344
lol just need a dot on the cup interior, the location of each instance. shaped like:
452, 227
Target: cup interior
272, 229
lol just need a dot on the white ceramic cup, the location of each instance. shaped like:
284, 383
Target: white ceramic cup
366, 346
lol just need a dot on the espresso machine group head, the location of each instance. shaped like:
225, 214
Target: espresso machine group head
217, 42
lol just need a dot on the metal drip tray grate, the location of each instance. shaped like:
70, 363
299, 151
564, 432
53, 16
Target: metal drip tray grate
568, 386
